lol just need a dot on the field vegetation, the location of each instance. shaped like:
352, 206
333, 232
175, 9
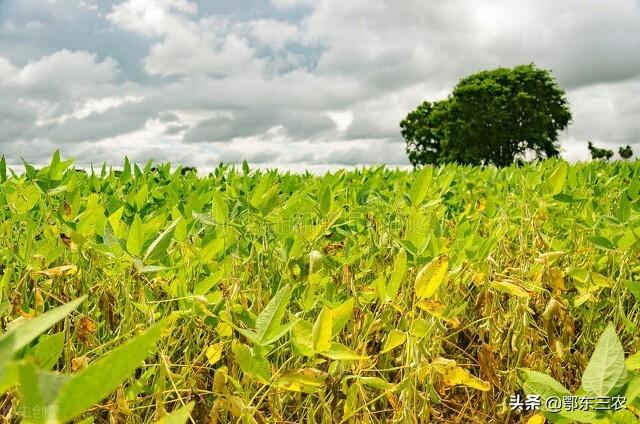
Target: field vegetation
370, 296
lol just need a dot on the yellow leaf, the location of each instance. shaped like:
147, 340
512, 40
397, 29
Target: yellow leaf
394, 339
224, 330
600, 280
436, 309
510, 288
431, 276
59, 270
453, 375
423, 370
306, 380
557, 278
537, 419
214, 353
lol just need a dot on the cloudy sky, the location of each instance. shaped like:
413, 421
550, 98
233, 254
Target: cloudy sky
298, 84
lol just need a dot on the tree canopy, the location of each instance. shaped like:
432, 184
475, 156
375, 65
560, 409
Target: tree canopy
491, 117
597, 153
625, 152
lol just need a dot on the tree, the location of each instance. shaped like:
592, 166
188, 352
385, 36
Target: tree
419, 130
625, 152
491, 117
597, 153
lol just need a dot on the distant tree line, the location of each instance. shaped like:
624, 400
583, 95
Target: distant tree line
606, 154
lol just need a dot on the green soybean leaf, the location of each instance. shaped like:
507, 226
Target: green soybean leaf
29, 170
395, 338
158, 248
213, 248
252, 364
326, 199
579, 274
57, 167
219, 208
32, 398
279, 332
179, 416
135, 240
341, 352
268, 322
251, 335
8, 376
140, 198
557, 178
21, 335
321, 334
126, 171
633, 362
601, 242
40, 390
376, 383
399, 269
340, 316
48, 350
203, 287
632, 391
259, 190
301, 337
606, 370
103, 376
116, 225
420, 186
24, 198
537, 383
264, 195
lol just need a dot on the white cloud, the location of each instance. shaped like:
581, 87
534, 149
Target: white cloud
178, 54
151, 17
57, 91
341, 119
187, 46
66, 69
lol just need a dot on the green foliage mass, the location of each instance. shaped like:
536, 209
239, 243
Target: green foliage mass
372, 295
597, 153
625, 152
491, 117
